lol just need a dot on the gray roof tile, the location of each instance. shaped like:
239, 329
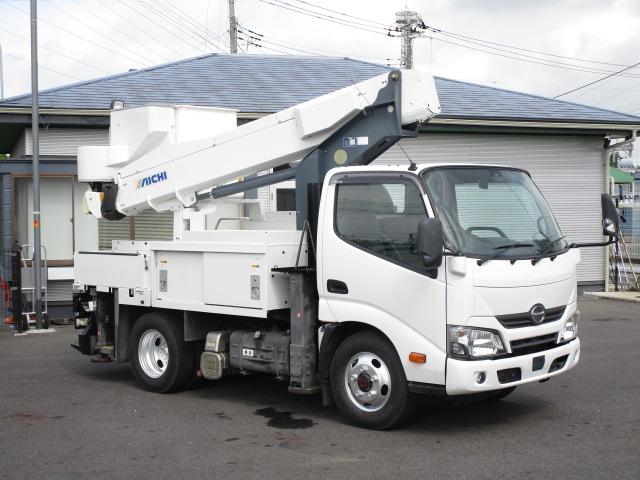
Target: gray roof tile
268, 83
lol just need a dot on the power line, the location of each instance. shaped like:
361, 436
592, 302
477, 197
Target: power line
591, 69
124, 18
633, 87
487, 43
98, 32
172, 18
470, 38
385, 25
77, 35
58, 52
466, 37
565, 67
158, 24
597, 81
331, 17
321, 18
121, 31
43, 67
305, 48
194, 23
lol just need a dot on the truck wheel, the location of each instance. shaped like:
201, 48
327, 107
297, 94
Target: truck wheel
160, 358
496, 395
368, 382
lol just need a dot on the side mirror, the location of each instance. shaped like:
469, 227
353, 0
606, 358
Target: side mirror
610, 222
430, 242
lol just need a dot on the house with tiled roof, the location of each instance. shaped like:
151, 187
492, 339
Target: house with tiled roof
563, 145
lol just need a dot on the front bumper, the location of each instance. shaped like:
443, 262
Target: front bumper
461, 374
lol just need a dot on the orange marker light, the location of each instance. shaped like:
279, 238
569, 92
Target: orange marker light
416, 357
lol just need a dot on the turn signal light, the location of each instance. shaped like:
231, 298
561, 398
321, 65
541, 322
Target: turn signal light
416, 357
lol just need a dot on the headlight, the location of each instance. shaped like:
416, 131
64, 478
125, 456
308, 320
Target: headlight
473, 342
570, 330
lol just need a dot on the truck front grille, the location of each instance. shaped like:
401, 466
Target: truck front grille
526, 346
517, 320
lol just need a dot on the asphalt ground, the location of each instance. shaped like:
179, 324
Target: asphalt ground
64, 417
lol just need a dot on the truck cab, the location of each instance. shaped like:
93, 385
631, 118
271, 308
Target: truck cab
496, 310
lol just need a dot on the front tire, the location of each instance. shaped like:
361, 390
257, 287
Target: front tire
368, 382
161, 360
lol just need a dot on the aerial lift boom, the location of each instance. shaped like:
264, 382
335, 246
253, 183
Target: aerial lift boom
147, 166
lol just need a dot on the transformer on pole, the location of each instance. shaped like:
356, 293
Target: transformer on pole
408, 24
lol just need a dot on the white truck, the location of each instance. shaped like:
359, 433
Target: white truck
385, 282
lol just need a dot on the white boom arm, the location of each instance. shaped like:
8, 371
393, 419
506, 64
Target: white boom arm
154, 167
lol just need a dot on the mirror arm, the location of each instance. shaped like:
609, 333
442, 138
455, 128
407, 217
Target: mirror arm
612, 240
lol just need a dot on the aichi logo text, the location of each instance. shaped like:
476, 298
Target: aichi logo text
151, 179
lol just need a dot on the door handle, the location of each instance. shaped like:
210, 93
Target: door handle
336, 286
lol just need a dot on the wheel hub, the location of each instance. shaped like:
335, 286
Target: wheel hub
153, 353
364, 382
367, 381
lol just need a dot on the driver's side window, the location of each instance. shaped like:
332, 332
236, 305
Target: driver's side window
381, 218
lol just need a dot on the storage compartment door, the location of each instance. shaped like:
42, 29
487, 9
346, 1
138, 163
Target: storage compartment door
234, 280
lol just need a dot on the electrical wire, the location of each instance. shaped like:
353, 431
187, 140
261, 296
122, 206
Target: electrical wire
593, 69
468, 38
171, 20
461, 37
123, 17
178, 20
565, 67
57, 52
158, 24
597, 81
323, 18
386, 26
44, 20
305, 48
121, 31
42, 66
101, 34
486, 43
196, 26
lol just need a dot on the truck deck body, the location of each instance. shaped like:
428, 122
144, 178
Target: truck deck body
385, 281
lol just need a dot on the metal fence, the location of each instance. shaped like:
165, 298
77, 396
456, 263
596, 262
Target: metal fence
624, 257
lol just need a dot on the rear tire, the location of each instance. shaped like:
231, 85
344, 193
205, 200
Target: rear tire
368, 382
161, 360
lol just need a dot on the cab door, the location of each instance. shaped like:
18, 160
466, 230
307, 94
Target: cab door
369, 271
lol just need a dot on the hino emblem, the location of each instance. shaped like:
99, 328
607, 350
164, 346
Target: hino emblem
537, 313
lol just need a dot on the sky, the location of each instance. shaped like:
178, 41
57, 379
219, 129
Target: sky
543, 47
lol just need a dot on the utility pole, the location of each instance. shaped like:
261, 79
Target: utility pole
35, 116
408, 24
1, 76
233, 27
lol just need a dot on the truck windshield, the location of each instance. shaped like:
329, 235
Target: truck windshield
493, 212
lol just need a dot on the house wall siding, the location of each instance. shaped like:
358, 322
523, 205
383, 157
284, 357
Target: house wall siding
61, 141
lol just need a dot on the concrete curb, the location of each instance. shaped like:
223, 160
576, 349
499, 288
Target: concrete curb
629, 297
